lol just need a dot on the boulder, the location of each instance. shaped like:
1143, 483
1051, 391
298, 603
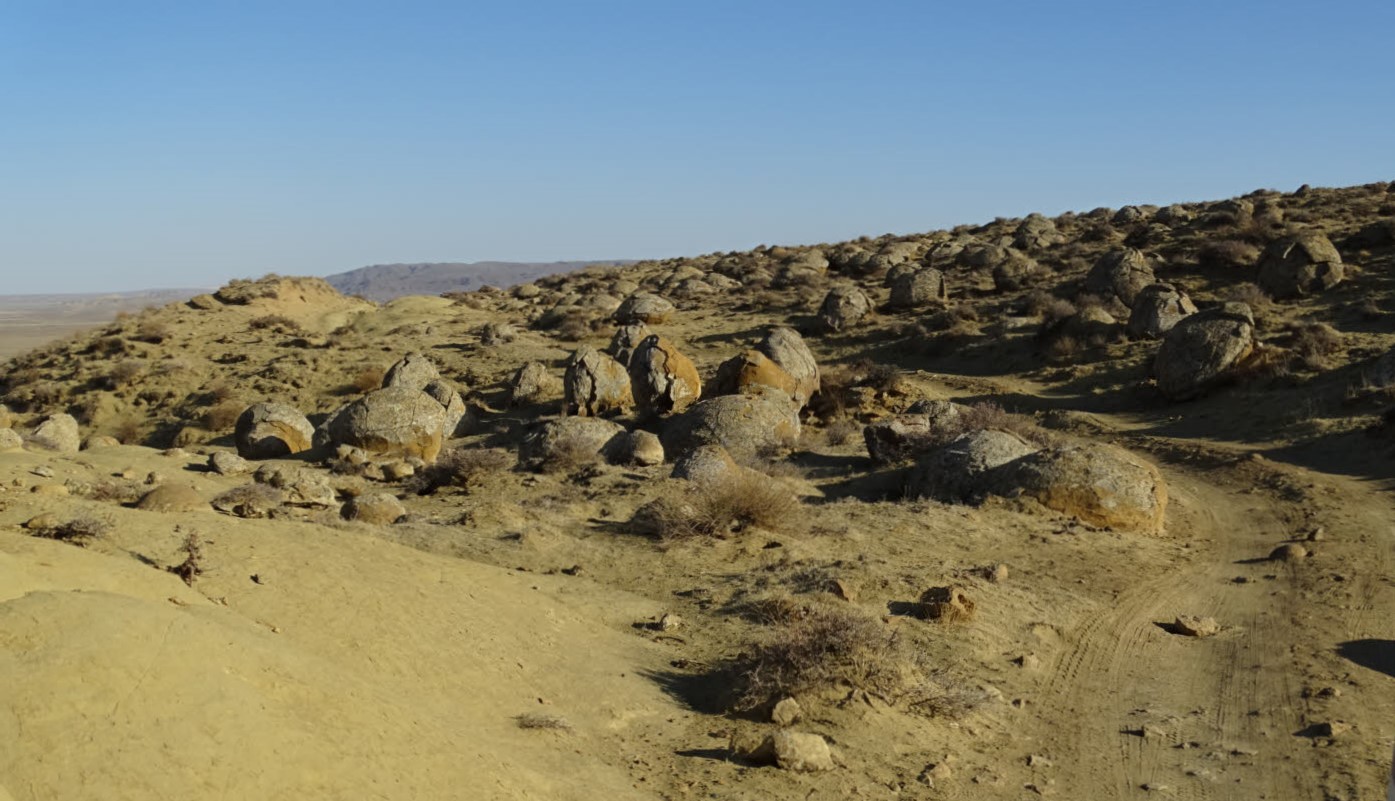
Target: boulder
1120, 274
10, 440
744, 424
705, 464
298, 486
960, 470
59, 432
172, 498
533, 383
926, 285
1015, 271
662, 380
1100, 484
226, 463
644, 448
843, 307
377, 509
750, 369
565, 435
1036, 232
414, 371
497, 333
1200, 350
7, 417
1157, 309
272, 430
906, 436
457, 414
800, 752
643, 307
626, 340
595, 384
393, 421
1299, 265
787, 348
99, 441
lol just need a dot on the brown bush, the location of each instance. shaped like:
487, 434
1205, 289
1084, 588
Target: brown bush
368, 379
728, 505
278, 322
218, 392
222, 416
463, 468
152, 332
1312, 345
125, 372
1228, 253
839, 432
122, 491
78, 531
1251, 295
128, 430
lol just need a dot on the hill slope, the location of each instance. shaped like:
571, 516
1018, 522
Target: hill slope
383, 282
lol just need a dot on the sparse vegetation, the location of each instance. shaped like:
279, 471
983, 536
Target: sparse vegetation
725, 506
462, 468
77, 531
222, 416
191, 567
536, 720
276, 322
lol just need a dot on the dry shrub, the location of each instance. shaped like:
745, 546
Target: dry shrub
535, 720
1251, 295
222, 416
816, 649
192, 566
574, 326
78, 531
278, 322
1311, 345
122, 491
839, 432
35, 396
1064, 349
1046, 305
368, 379
724, 506
459, 467
152, 332
569, 455
128, 430
987, 414
125, 372
1228, 254
218, 392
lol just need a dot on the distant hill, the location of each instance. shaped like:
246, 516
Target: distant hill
28, 321
383, 282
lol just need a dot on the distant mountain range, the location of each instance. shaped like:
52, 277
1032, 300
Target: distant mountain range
383, 282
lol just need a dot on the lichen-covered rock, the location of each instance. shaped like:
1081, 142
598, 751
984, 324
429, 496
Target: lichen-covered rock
1157, 310
596, 384
413, 371
272, 430
643, 307
1200, 350
800, 752
457, 413
749, 369
918, 288
393, 421
1299, 265
644, 448
10, 440
59, 432
626, 340
1120, 274
960, 470
172, 498
1036, 232
843, 307
787, 348
1099, 484
225, 463
377, 509
574, 435
98, 441
744, 424
533, 383
497, 333
705, 464
905, 436
662, 379
1015, 271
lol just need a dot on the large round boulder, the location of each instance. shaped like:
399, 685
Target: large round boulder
750, 369
414, 371
1157, 310
959, 470
595, 384
1036, 232
533, 383
1015, 271
744, 424
1200, 350
457, 413
643, 307
905, 436
573, 437
705, 464
1299, 265
626, 340
1120, 274
59, 432
918, 288
1100, 484
272, 430
843, 307
662, 380
393, 421
787, 348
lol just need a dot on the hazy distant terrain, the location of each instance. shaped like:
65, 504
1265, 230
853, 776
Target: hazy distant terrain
28, 321
382, 282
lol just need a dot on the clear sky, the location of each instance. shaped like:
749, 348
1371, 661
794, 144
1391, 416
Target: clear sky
158, 144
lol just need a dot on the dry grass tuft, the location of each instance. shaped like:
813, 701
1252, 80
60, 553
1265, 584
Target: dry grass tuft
725, 506
78, 531
535, 720
463, 468
840, 432
277, 322
1313, 345
151, 332
1228, 254
368, 379
192, 566
222, 417
569, 455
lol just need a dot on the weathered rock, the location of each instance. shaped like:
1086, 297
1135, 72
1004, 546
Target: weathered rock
1193, 626
457, 423
787, 348
496, 333
533, 383
1289, 552
596, 384
744, 424
569, 436
626, 340
750, 369
299, 486
945, 604
225, 463
378, 509
1174, 214
843, 307
1299, 265
204, 302
59, 432
662, 380
961, 469
643, 307
10, 440
906, 436
644, 448
1201, 349
1157, 309
1015, 271
99, 441
786, 713
394, 421
413, 371
705, 464
1099, 484
926, 285
271, 431
799, 752
1120, 274
1036, 232
172, 498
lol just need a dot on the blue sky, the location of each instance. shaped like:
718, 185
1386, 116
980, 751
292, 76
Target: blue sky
157, 144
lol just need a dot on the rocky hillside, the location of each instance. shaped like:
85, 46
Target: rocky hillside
1084, 506
383, 282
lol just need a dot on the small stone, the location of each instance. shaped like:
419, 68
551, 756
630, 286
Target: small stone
844, 589
43, 471
786, 713
1193, 626
227, 463
996, 573
1036, 761
1317, 535
1027, 662
1331, 729
41, 521
799, 752
1289, 552
670, 622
